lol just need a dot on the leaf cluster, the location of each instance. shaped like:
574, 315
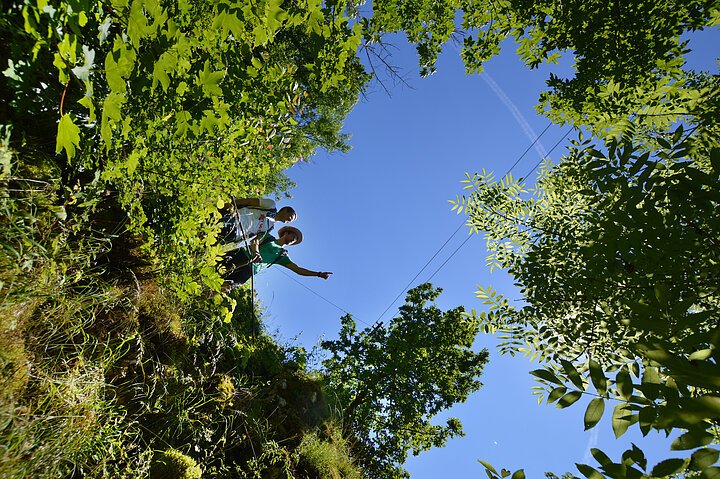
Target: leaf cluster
392, 380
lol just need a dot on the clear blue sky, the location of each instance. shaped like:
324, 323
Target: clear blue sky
377, 214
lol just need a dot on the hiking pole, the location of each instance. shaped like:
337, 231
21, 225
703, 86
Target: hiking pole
252, 269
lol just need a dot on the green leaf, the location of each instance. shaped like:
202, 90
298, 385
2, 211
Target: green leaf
650, 375
711, 473
210, 80
668, 467
519, 474
556, 394
634, 456
647, 416
691, 440
594, 412
701, 355
573, 374
598, 377
624, 384
568, 399
488, 466
600, 457
260, 34
622, 419
589, 472
119, 64
110, 114
68, 136
703, 458
662, 294
166, 64
546, 375
133, 160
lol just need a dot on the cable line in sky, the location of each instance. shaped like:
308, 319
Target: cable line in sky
458, 229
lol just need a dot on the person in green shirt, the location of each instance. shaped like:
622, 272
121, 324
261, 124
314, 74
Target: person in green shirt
240, 264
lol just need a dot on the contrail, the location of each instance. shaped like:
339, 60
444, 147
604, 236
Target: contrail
592, 442
516, 113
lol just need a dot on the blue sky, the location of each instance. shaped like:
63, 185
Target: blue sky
376, 215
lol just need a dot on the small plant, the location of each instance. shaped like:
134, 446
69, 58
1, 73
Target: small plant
173, 464
328, 458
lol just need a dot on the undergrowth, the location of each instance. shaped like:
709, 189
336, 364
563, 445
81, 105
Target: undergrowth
106, 373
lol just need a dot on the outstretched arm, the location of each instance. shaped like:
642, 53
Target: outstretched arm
306, 272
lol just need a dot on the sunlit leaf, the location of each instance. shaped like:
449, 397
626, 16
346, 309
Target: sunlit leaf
623, 381
589, 472
568, 399
68, 136
594, 412
622, 418
546, 375
703, 458
691, 440
598, 377
668, 467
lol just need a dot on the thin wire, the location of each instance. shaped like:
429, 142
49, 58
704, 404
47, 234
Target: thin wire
528, 149
322, 297
441, 247
421, 270
458, 229
548, 154
449, 258
522, 177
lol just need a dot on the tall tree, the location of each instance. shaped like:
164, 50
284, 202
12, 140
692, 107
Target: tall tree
392, 380
616, 255
628, 56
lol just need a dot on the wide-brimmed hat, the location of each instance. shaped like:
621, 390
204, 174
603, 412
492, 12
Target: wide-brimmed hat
291, 229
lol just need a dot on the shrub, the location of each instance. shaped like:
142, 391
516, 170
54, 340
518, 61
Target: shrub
328, 458
173, 464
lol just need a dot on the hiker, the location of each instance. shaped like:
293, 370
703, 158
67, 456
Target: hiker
250, 219
240, 265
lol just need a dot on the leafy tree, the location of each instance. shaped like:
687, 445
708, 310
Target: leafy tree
615, 252
392, 380
628, 57
179, 105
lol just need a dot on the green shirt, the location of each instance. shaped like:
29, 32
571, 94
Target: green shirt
271, 253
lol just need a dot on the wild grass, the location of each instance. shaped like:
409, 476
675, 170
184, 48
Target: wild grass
106, 373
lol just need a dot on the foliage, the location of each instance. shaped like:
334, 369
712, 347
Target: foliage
628, 58
101, 366
616, 257
327, 458
173, 464
180, 105
392, 380
55, 410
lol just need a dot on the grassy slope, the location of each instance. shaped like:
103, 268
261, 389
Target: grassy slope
105, 373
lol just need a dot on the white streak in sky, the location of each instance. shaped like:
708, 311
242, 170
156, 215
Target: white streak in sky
516, 113
592, 442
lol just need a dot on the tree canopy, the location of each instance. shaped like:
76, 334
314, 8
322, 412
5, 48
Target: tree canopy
615, 251
392, 380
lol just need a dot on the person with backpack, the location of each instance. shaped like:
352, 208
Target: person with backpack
248, 219
240, 265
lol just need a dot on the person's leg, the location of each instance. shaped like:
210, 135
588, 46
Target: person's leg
237, 275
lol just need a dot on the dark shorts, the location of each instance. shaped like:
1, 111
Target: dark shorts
237, 271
